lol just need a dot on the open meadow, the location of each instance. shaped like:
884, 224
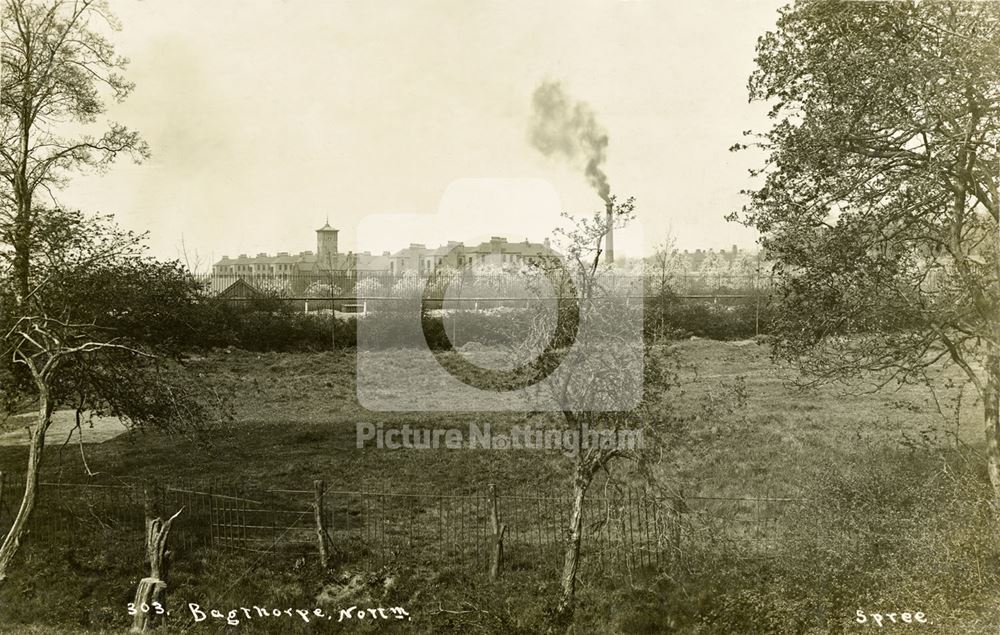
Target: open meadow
878, 492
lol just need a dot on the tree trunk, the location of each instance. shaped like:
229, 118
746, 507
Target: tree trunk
22, 220
150, 596
991, 408
571, 557
151, 593
36, 445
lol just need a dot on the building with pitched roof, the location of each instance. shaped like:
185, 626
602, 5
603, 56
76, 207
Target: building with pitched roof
498, 251
417, 257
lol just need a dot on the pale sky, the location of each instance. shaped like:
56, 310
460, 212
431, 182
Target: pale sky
265, 117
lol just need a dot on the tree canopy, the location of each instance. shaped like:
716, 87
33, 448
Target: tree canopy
106, 311
878, 196
57, 68
86, 318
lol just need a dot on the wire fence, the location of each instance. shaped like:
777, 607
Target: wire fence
623, 532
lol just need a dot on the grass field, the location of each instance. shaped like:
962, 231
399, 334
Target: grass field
295, 417
894, 469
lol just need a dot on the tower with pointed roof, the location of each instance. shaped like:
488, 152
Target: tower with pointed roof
326, 243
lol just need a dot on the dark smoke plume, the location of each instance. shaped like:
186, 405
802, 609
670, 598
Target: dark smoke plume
563, 126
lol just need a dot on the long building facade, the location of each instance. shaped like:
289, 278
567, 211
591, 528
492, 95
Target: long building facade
328, 262
325, 259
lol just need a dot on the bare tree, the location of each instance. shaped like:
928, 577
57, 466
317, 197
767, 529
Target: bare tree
660, 271
603, 376
55, 63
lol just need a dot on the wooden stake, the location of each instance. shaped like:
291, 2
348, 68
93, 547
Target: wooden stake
499, 529
320, 521
152, 590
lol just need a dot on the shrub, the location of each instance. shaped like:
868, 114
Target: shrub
274, 324
718, 321
891, 532
268, 324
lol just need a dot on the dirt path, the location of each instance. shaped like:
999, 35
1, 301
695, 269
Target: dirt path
94, 429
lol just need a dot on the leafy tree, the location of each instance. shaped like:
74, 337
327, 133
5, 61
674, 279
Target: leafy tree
594, 371
879, 194
83, 315
96, 334
368, 288
661, 271
712, 269
322, 290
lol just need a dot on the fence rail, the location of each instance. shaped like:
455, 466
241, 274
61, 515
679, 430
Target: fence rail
622, 533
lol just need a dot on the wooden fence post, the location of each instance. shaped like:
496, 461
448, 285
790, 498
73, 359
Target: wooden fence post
320, 521
212, 515
499, 529
333, 315
678, 507
152, 589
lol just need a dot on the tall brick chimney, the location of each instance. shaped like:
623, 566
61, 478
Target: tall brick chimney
609, 240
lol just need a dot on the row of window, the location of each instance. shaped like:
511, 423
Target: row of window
284, 267
425, 264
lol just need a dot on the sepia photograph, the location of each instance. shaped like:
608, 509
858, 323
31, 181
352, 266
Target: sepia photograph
501, 317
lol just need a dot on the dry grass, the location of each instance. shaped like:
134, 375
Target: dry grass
295, 417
